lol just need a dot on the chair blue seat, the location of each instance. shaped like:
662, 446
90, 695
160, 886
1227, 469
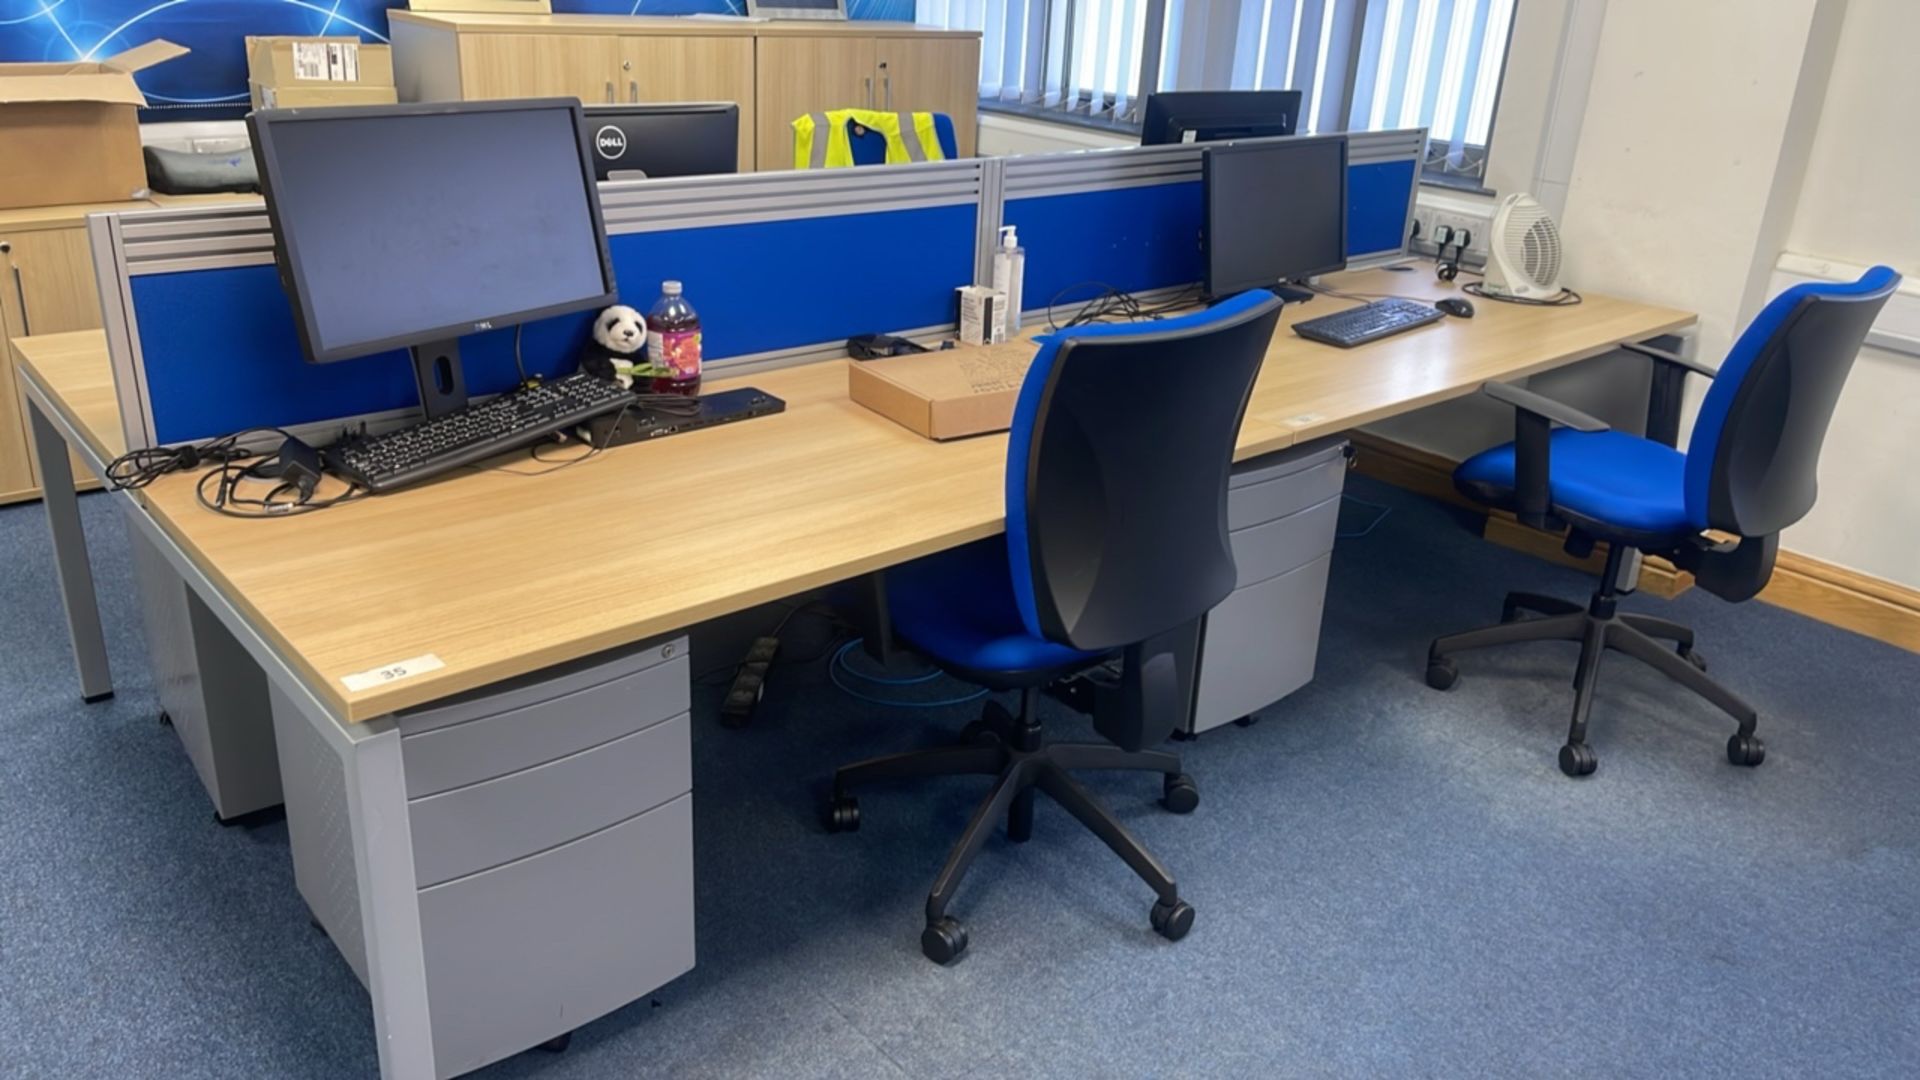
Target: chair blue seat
1612, 482
958, 607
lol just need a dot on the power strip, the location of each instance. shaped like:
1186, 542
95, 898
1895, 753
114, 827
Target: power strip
749, 684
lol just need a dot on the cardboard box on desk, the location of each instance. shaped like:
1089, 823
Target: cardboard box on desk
951, 394
306, 96
318, 61
70, 132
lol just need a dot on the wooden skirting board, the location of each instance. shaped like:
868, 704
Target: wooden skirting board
1832, 594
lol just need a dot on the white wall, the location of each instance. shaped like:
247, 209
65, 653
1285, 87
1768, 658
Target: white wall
1860, 204
1004, 135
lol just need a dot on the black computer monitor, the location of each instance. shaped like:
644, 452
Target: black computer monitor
1276, 211
1214, 115
408, 226
637, 142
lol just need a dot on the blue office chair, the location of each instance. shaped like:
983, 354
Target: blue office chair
1749, 470
1116, 546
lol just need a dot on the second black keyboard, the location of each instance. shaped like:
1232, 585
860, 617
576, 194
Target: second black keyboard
1369, 322
508, 422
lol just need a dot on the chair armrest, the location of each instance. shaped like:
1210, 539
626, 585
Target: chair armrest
1670, 359
1542, 406
1533, 418
1666, 390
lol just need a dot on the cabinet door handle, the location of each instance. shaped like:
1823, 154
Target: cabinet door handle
869, 91
633, 91
20, 291
886, 82
609, 91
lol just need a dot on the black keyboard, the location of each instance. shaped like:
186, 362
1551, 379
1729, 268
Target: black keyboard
1371, 322
514, 419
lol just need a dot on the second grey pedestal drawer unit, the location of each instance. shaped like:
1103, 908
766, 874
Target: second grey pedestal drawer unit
550, 825
1261, 642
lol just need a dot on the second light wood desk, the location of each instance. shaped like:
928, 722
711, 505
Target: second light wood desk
499, 574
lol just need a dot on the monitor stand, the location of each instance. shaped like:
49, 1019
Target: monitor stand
1291, 294
437, 374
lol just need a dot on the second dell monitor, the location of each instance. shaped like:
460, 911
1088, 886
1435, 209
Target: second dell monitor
1276, 212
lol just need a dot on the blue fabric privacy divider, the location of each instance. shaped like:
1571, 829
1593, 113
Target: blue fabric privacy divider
1378, 195
776, 284
1133, 239
220, 352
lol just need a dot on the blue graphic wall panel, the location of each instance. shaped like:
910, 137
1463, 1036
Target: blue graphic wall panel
211, 83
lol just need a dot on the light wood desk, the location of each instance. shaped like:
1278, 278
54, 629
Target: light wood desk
501, 574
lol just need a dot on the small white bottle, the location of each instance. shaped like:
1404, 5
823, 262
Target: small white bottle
1009, 274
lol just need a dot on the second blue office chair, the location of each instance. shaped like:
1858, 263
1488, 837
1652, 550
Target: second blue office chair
1749, 470
1116, 546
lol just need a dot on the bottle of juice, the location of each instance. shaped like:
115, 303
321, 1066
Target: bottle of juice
673, 342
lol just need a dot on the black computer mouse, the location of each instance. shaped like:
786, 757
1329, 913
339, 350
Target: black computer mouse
1456, 307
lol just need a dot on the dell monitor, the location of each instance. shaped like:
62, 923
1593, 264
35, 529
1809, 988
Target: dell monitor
1217, 115
639, 142
408, 226
1276, 211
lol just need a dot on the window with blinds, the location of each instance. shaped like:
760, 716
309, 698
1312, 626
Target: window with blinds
1360, 64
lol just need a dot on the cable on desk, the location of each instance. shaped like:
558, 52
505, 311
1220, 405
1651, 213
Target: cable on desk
1566, 297
137, 468
228, 501
839, 664
1112, 301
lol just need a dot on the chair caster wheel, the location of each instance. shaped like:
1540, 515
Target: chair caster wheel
1693, 658
841, 814
166, 718
1179, 794
1746, 750
1172, 921
1576, 759
1441, 673
944, 940
558, 1044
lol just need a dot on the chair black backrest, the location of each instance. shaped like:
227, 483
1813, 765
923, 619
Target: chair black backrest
1752, 462
1117, 472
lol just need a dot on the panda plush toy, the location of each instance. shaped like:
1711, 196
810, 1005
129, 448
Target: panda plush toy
619, 333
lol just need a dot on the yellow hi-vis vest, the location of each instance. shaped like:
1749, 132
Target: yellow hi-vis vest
810, 151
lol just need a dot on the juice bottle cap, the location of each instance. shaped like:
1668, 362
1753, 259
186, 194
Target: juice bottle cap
671, 288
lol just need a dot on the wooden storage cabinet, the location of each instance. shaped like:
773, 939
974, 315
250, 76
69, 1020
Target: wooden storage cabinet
801, 74
46, 287
774, 71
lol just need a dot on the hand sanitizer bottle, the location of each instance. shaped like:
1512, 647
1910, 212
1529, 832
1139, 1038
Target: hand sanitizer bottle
1009, 274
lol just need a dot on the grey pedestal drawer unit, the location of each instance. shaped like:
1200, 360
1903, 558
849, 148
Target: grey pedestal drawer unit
1260, 643
550, 827
211, 691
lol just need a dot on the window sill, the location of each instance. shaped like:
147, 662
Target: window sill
1055, 116
1464, 185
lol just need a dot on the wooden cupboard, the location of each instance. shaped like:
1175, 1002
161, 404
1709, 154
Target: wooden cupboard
775, 71
46, 287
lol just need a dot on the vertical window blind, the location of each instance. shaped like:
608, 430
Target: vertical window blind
1360, 64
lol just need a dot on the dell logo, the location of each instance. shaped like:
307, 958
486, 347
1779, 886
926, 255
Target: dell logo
610, 142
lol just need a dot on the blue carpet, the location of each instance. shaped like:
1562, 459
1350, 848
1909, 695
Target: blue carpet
1390, 881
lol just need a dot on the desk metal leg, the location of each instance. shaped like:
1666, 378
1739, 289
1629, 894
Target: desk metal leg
70, 557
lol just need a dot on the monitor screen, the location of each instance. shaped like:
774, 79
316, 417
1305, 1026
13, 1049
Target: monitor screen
1275, 211
636, 142
418, 223
1187, 116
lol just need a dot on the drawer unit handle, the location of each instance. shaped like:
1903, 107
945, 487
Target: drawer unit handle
886, 82
869, 91
633, 91
609, 91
